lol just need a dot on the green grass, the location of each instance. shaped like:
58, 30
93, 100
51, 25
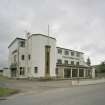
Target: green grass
7, 91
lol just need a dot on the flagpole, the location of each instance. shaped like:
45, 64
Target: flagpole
48, 33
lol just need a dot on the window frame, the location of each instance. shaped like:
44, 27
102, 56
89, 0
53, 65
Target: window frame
29, 56
72, 62
72, 53
60, 61
78, 54
59, 51
66, 52
22, 44
22, 57
35, 69
66, 62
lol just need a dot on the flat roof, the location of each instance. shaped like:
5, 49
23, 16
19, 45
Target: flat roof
15, 40
43, 35
30, 36
69, 49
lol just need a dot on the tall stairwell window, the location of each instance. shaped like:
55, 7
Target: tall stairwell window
47, 60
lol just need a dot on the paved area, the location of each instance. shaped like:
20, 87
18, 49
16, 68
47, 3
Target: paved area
81, 95
34, 87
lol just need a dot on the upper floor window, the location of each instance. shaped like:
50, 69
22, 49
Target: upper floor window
59, 61
72, 53
59, 51
77, 63
29, 56
14, 58
22, 43
78, 54
72, 62
66, 52
22, 57
66, 61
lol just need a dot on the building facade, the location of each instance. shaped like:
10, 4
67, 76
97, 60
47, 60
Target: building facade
38, 57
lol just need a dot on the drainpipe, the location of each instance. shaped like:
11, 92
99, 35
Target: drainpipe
18, 62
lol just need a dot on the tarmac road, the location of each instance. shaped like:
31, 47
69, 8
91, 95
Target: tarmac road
80, 95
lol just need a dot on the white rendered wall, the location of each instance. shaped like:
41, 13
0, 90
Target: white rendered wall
12, 48
19, 53
38, 43
70, 58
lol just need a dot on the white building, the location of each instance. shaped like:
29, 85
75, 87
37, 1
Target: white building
38, 57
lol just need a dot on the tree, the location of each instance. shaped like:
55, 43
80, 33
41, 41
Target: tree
102, 67
88, 62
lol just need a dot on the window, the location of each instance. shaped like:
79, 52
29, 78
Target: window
77, 63
35, 69
59, 51
72, 53
29, 56
72, 62
14, 58
22, 57
66, 52
22, 43
66, 61
22, 71
78, 54
59, 61
56, 71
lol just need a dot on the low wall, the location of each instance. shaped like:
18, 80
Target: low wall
88, 82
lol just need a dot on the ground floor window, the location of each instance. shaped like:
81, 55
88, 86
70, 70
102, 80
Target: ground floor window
87, 73
67, 73
81, 72
74, 72
22, 70
56, 71
35, 69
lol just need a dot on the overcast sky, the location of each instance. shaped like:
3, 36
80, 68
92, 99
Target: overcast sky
76, 24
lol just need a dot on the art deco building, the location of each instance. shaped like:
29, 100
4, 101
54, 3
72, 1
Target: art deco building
38, 57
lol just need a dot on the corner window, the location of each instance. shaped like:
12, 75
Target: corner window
35, 69
59, 51
22, 43
66, 52
22, 57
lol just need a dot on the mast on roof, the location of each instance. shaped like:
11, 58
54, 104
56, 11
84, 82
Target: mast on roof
48, 33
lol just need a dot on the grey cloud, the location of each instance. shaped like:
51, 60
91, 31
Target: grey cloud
77, 24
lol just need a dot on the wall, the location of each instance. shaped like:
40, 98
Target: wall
37, 45
70, 58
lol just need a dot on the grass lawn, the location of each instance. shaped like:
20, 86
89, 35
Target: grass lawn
7, 91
